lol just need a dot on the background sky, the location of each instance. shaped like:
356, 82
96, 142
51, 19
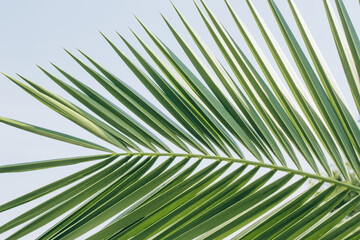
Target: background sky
35, 32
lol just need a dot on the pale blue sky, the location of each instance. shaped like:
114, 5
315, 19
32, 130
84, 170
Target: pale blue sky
34, 32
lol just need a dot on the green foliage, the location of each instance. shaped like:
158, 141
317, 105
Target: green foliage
229, 155
354, 181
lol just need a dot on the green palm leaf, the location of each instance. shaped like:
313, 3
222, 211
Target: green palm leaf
229, 156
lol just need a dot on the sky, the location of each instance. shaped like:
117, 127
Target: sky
35, 33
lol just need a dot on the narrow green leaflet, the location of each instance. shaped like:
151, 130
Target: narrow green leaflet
260, 95
235, 207
178, 170
288, 221
175, 109
195, 86
53, 134
247, 216
318, 93
247, 137
134, 193
82, 98
195, 223
105, 110
63, 202
100, 200
182, 223
71, 115
312, 218
188, 208
328, 81
153, 204
296, 86
327, 224
286, 99
207, 96
144, 109
173, 203
55, 185
343, 229
190, 106
77, 109
266, 222
31, 166
352, 57
128, 124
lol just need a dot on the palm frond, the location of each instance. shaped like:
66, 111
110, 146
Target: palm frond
229, 155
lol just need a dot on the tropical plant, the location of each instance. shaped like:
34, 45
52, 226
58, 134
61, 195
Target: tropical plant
353, 180
193, 180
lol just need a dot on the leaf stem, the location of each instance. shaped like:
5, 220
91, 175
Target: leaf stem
254, 163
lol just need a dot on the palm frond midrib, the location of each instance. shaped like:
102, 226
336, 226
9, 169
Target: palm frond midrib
309, 175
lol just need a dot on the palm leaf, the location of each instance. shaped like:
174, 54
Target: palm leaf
230, 154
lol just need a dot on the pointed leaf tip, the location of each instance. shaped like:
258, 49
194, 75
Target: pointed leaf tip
134, 32
135, 17
102, 34
172, 3
54, 65
68, 52
5, 75
121, 36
